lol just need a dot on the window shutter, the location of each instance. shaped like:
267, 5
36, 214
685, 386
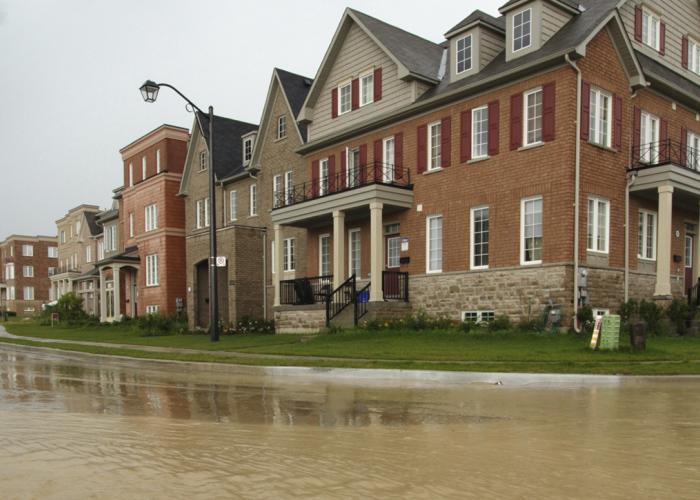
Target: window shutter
355, 87
684, 146
334, 103
446, 142
314, 178
422, 140
465, 135
638, 23
663, 137
378, 84
662, 39
343, 170
585, 111
331, 173
684, 52
516, 121
636, 133
494, 117
617, 122
378, 160
363, 164
398, 156
548, 111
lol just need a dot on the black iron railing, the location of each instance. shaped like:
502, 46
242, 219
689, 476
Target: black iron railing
340, 298
694, 294
395, 285
664, 152
345, 180
361, 301
304, 291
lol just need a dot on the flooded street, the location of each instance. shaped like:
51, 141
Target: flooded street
78, 427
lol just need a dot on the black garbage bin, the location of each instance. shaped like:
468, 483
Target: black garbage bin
638, 336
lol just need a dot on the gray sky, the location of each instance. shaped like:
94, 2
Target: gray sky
70, 72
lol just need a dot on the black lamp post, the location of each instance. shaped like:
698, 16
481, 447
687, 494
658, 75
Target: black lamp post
149, 91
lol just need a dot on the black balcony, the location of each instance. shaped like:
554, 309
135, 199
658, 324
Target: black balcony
305, 291
352, 178
665, 152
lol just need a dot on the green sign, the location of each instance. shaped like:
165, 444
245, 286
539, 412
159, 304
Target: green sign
610, 333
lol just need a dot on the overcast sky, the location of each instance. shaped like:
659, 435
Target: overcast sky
70, 72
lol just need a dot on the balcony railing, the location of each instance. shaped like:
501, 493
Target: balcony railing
395, 285
305, 291
352, 178
658, 153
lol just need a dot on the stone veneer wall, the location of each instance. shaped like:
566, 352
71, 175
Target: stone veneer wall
606, 287
300, 319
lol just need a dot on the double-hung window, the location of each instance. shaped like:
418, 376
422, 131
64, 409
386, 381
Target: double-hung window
28, 271
598, 225
694, 56
88, 254
144, 168
389, 159
323, 177
324, 255
53, 252
131, 224
253, 200
649, 138
203, 160
10, 293
353, 167
434, 146
28, 250
288, 254
131, 174
152, 270
393, 252
157, 161
63, 236
247, 150
288, 187
355, 252
233, 205
600, 118
531, 231
532, 131
480, 132
464, 54
277, 196
282, 127
111, 238
344, 98
651, 29
28, 293
203, 213
9, 271
152, 309
366, 89
522, 28
434, 244
693, 153
151, 217
646, 235
480, 238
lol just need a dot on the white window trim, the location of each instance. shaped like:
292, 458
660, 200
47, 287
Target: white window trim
526, 120
253, 200
144, 168
427, 244
471, 54
368, 74
648, 145
388, 164
203, 160
323, 180
151, 222
653, 15
131, 224
350, 233
246, 141
29, 274
321, 237
27, 250
523, 262
282, 119
354, 180
596, 200
131, 175
388, 264
341, 86
233, 205
473, 137
693, 55
429, 148
471, 237
152, 270
277, 191
644, 235
53, 252
288, 257
157, 161
594, 132
288, 187
24, 293
513, 49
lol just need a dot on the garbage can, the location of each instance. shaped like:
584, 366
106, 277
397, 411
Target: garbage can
638, 337
363, 297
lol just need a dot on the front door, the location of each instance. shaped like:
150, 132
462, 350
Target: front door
688, 259
390, 281
202, 302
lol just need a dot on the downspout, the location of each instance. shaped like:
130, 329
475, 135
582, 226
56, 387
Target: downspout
577, 184
264, 280
631, 177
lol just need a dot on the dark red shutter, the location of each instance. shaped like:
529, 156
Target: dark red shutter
516, 121
663, 143
422, 152
446, 142
585, 111
378, 160
662, 39
465, 136
617, 122
355, 93
494, 118
363, 164
548, 111
638, 23
684, 146
398, 156
378, 84
684, 52
636, 133
331, 173
314, 178
334, 103
343, 170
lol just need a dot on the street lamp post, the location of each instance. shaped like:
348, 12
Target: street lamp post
149, 91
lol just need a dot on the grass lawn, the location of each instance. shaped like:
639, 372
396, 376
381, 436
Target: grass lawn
441, 350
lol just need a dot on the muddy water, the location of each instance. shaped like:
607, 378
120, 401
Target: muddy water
77, 427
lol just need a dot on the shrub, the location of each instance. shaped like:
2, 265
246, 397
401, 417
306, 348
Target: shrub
528, 325
629, 311
500, 323
248, 324
651, 314
584, 316
678, 312
153, 325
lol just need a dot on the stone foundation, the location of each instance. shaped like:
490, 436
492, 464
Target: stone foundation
300, 319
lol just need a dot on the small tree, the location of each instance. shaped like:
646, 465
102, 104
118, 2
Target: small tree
70, 307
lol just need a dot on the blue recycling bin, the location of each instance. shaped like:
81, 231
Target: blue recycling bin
363, 297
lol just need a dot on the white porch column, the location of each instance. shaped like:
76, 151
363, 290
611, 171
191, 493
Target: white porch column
377, 251
663, 238
277, 276
103, 296
338, 248
696, 251
117, 293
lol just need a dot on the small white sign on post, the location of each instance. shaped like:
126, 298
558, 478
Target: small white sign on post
220, 261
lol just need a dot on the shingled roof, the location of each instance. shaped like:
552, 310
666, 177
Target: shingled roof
93, 227
296, 88
498, 23
228, 145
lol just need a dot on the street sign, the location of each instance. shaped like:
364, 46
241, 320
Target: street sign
221, 262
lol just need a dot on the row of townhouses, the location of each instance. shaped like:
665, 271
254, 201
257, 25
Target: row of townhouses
543, 159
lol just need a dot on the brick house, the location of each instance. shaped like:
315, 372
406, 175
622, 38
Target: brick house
78, 232
456, 174
144, 239
26, 262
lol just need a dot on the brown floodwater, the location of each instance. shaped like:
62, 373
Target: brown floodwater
73, 426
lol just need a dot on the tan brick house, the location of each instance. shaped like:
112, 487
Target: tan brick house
459, 168
26, 262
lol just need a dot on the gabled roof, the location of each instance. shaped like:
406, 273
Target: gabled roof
479, 17
93, 227
228, 146
295, 88
569, 5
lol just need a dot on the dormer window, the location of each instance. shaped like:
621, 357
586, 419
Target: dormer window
282, 127
522, 27
367, 89
247, 149
651, 29
344, 98
464, 54
203, 160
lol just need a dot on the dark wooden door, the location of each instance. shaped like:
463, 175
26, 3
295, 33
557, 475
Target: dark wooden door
689, 259
202, 292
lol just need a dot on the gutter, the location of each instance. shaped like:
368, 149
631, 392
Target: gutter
577, 185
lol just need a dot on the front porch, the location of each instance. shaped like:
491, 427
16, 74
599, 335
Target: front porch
118, 286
